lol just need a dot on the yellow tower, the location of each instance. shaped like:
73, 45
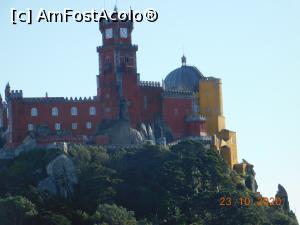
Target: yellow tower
211, 106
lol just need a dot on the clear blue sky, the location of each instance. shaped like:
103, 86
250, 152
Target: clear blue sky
254, 46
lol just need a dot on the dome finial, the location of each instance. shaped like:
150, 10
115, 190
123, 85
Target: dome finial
183, 60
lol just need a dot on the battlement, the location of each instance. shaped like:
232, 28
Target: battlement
149, 84
80, 99
194, 117
16, 94
59, 99
177, 94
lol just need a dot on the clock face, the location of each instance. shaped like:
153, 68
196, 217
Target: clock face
108, 33
123, 32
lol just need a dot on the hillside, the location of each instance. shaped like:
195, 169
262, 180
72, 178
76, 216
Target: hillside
181, 185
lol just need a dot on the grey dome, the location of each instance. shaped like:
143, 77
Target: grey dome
184, 78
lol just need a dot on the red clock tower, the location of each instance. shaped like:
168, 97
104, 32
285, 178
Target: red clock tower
118, 81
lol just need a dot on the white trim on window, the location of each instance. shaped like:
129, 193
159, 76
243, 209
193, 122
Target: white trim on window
74, 111
93, 111
30, 127
34, 112
74, 126
54, 111
57, 126
88, 125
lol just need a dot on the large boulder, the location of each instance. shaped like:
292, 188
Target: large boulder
62, 177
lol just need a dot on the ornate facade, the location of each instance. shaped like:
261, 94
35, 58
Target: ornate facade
125, 110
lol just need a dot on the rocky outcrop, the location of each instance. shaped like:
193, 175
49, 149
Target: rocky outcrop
246, 171
28, 144
61, 177
282, 193
250, 177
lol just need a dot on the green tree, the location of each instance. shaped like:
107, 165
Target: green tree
15, 210
96, 178
50, 218
113, 215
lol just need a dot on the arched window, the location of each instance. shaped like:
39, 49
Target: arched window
54, 111
34, 112
74, 111
93, 111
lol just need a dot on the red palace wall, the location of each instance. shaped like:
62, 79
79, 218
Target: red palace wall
175, 110
131, 93
151, 102
196, 128
22, 116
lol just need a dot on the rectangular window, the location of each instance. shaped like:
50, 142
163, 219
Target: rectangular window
57, 126
74, 126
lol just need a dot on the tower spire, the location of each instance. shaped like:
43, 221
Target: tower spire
183, 60
116, 8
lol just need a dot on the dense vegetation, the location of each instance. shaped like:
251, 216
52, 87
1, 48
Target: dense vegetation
181, 185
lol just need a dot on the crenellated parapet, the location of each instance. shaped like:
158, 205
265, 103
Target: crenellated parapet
194, 117
214, 79
80, 99
149, 84
16, 94
177, 94
60, 99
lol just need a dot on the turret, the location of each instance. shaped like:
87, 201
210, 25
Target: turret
7, 92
